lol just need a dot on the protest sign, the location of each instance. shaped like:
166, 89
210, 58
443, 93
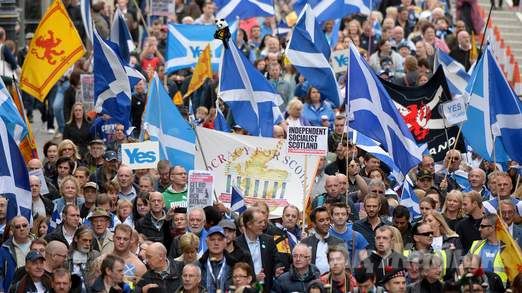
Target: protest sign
162, 7
141, 155
39, 173
340, 60
454, 112
258, 165
308, 140
200, 189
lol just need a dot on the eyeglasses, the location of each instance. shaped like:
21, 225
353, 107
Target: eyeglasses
20, 226
454, 158
427, 234
239, 276
484, 226
377, 191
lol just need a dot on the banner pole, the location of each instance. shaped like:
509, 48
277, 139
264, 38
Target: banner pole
306, 193
203, 156
140, 17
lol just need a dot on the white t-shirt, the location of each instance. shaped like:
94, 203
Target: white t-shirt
39, 287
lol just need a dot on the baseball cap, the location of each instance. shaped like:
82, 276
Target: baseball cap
227, 224
29, 36
96, 141
91, 185
424, 174
403, 45
324, 117
33, 255
216, 229
110, 155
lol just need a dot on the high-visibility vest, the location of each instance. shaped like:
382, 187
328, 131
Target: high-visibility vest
498, 264
441, 253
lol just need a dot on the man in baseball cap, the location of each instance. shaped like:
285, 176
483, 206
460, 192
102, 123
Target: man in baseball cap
100, 221
36, 280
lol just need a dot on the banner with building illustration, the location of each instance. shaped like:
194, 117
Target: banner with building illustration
258, 165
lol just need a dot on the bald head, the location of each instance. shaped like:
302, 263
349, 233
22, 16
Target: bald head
332, 185
54, 254
34, 164
36, 185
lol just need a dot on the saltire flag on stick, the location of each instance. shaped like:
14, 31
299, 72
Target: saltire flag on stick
27, 145
510, 252
202, 71
56, 46
237, 201
230, 9
120, 35
375, 115
331, 9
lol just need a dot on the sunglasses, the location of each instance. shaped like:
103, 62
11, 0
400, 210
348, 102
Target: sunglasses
377, 191
427, 234
484, 226
20, 226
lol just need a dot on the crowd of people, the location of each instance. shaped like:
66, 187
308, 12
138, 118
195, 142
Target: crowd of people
99, 226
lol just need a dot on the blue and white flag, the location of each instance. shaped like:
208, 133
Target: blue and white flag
249, 96
409, 199
113, 81
185, 42
375, 115
331, 9
334, 36
370, 146
377, 29
494, 125
164, 123
14, 178
283, 28
237, 200
220, 123
120, 35
231, 9
308, 50
85, 9
455, 73
11, 117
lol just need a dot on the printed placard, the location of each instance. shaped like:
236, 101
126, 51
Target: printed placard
200, 189
307, 140
340, 60
140, 155
454, 112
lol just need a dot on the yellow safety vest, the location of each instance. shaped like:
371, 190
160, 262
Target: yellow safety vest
498, 264
442, 254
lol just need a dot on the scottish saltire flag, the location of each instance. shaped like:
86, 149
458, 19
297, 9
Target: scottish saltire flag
113, 81
456, 74
494, 125
409, 199
14, 122
14, 177
56, 219
332, 9
85, 9
377, 29
164, 123
231, 9
120, 35
334, 36
308, 50
370, 146
249, 96
283, 28
237, 201
220, 123
185, 42
375, 115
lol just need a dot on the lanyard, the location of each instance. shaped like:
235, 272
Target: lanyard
211, 271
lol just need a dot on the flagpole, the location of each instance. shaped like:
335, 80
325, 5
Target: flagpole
203, 156
347, 114
140, 16
485, 30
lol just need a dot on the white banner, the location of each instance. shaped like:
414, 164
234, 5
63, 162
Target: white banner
260, 166
141, 155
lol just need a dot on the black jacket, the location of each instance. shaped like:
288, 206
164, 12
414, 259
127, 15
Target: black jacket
376, 264
269, 257
291, 282
80, 136
312, 241
147, 228
26, 284
57, 234
166, 282
467, 228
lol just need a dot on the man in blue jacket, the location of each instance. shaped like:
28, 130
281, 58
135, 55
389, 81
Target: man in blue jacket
14, 250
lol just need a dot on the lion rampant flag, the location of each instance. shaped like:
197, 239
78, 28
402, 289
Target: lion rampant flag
55, 47
202, 71
509, 251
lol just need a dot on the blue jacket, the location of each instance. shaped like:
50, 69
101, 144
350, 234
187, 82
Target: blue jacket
313, 115
7, 263
517, 234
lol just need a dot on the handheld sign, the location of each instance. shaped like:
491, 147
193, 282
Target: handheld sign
307, 140
141, 155
44, 189
340, 60
454, 112
200, 189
